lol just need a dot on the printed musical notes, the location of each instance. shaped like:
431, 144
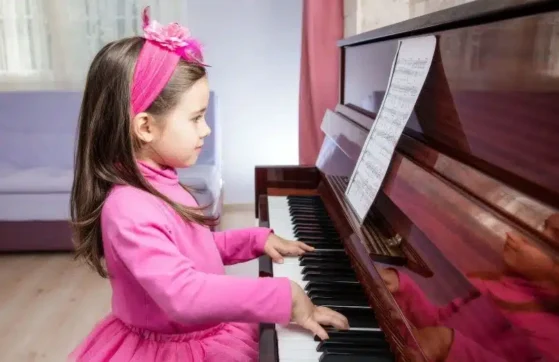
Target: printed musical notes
409, 71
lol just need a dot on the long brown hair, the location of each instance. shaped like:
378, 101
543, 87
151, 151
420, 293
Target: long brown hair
106, 147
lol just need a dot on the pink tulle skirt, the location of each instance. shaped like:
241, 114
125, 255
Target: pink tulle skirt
112, 340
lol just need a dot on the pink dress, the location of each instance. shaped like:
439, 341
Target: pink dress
171, 298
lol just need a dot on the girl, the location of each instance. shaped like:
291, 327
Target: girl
143, 116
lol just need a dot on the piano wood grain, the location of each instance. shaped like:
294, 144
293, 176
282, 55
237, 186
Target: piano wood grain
290, 177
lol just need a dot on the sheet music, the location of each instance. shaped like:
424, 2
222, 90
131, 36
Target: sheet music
409, 71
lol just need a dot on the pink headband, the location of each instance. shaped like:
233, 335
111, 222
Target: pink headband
160, 54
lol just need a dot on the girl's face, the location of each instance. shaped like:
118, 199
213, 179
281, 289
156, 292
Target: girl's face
177, 139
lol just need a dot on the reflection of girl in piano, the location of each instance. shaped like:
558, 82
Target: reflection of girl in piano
513, 315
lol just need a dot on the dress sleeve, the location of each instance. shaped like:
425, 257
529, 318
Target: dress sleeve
464, 349
240, 245
139, 236
417, 308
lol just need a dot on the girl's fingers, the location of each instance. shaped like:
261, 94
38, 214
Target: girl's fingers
326, 316
276, 256
316, 329
293, 250
304, 246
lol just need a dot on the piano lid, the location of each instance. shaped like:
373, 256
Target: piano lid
473, 188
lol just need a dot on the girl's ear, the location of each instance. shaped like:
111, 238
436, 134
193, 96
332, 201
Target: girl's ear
143, 127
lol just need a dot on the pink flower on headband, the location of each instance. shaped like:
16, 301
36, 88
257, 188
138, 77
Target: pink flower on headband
173, 37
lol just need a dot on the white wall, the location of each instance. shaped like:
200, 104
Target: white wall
364, 15
253, 47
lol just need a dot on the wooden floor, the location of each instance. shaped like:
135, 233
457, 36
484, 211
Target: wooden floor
49, 302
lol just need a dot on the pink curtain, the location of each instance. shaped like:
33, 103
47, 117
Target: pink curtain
323, 26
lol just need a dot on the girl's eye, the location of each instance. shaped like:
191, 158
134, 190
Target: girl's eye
197, 118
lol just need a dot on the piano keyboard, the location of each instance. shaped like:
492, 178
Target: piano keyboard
329, 280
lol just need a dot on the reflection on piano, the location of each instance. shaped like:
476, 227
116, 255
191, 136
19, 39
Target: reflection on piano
458, 259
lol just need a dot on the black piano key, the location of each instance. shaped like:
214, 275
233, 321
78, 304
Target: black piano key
373, 338
317, 231
323, 246
334, 254
334, 258
314, 277
303, 231
332, 267
335, 273
328, 302
350, 347
319, 221
327, 285
359, 317
311, 226
313, 269
309, 211
314, 229
346, 293
314, 220
325, 263
355, 295
306, 198
354, 357
319, 239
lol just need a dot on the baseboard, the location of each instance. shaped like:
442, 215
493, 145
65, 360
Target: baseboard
34, 235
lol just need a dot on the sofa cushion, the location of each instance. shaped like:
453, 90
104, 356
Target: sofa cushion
35, 180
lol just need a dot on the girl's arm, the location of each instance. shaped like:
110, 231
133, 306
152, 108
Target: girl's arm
139, 238
240, 245
415, 305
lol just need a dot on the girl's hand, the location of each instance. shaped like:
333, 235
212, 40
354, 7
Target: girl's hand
311, 317
276, 248
434, 341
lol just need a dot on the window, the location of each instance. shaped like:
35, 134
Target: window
23, 38
48, 44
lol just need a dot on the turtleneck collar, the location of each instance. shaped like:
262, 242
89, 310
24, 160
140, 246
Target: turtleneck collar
158, 174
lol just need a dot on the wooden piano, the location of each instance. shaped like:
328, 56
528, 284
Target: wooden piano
458, 258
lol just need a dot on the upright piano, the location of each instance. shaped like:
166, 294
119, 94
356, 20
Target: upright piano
458, 257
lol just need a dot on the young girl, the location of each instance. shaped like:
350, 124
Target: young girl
143, 116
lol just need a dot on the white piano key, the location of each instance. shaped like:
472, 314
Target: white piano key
294, 343
280, 221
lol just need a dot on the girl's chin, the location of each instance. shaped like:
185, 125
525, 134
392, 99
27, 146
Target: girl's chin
190, 162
